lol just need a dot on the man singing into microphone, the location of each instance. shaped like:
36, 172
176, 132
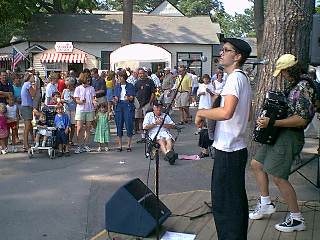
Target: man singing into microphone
228, 193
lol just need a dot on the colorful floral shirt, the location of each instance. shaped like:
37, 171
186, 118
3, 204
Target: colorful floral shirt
300, 100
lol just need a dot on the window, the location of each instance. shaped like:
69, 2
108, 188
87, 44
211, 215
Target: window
191, 60
105, 60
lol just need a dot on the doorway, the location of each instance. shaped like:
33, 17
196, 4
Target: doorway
76, 67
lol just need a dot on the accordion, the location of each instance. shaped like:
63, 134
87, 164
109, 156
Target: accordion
275, 107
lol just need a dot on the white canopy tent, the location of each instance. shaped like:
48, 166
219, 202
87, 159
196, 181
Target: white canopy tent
137, 55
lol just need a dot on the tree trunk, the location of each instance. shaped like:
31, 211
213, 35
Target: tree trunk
127, 22
286, 30
259, 23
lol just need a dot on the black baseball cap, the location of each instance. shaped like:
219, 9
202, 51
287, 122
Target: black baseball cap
240, 46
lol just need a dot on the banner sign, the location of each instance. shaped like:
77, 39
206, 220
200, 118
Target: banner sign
63, 47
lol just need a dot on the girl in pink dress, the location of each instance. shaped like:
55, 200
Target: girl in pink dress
3, 129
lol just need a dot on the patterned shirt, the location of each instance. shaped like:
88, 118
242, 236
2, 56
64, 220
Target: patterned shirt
300, 100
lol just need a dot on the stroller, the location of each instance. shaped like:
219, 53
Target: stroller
50, 112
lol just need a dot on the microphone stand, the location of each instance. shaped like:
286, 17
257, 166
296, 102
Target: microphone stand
155, 148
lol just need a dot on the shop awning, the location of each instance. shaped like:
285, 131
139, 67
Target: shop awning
5, 57
63, 57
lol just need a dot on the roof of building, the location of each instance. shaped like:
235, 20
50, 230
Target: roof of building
107, 28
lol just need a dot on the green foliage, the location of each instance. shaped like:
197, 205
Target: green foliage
240, 25
15, 14
199, 7
318, 6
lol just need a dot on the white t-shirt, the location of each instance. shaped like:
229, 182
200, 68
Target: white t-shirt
50, 90
195, 82
218, 85
12, 112
230, 135
150, 118
205, 101
123, 92
85, 93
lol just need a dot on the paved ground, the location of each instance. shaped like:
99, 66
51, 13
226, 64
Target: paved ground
64, 198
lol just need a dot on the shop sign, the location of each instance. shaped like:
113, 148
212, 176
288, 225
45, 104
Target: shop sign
64, 47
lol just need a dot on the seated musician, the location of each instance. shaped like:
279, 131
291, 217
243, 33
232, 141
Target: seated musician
276, 160
152, 122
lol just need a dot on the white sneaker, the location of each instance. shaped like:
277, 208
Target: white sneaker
262, 210
78, 150
86, 149
4, 151
106, 149
291, 224
99, 149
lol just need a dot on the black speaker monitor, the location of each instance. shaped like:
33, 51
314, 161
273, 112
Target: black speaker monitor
132, 210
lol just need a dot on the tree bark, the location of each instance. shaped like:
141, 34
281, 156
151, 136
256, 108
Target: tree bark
259, 23
127, 22
286, 30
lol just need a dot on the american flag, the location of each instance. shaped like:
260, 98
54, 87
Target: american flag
17, 56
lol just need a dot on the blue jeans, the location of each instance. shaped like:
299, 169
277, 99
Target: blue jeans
124, 114
228, 194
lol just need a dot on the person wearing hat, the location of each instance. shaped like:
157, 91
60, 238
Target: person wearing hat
167, 85
276, 160
229, 198
152, 122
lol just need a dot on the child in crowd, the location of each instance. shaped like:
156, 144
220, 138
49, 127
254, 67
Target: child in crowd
12, 120
50, 109
62, 124
41, 131
4, 133
102, 133
205, 94
56, 99
70, 105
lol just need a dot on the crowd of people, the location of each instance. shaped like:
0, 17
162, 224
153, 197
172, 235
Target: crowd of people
78, 106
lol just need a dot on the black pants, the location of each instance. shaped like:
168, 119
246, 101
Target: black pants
228, 193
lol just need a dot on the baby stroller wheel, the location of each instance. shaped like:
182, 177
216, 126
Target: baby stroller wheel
30, 153
52, 153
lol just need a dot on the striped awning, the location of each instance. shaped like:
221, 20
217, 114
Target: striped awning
63, 57
5, 57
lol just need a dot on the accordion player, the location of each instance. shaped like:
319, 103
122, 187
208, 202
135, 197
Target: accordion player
274, 107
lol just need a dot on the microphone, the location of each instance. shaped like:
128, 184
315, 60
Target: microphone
258, 62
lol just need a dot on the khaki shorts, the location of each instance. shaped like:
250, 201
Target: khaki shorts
183, 99
84, 116
278, 158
